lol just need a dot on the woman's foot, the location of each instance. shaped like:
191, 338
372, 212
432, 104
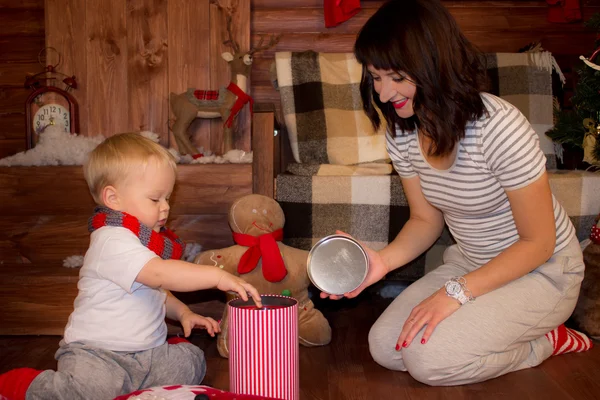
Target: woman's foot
566, 340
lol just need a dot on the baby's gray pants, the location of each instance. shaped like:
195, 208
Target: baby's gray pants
499, 332
90, 373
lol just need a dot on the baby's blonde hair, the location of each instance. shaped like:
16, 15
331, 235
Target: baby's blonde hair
115, 159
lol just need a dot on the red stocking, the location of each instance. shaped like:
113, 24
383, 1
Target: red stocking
338, 11
14, 383
564, 11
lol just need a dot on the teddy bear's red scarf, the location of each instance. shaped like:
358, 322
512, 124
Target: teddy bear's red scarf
165, 243
265, 246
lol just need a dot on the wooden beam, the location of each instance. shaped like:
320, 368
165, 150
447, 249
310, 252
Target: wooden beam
265, 151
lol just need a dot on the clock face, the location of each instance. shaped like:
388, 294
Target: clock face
52, 114
46, 107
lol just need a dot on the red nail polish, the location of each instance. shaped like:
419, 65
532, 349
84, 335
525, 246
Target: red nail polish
422, 341
397, 347
404, 344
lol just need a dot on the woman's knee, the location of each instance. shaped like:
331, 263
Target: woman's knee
433, 366
382, 347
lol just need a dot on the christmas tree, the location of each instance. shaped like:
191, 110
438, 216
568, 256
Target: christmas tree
582, 124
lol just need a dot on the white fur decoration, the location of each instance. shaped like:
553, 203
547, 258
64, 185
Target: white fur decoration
232, 156
73, 262
191, 251
56, 147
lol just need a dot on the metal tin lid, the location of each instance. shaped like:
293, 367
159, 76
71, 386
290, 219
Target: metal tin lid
337, 264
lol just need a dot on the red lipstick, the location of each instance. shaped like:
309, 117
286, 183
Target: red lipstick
401, 104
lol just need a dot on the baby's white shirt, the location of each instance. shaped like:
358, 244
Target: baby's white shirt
112, 310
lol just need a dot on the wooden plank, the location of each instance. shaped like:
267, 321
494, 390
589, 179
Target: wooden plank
512, 40
13, 74
148, 81
21, 49
261, 75
266, 94
12, 99
27, 22
188, 53
21, 188
270, 4
66, 31
33, 239
210, 188
36, 300
265, 153
200, 189
8, 147
475, 18
12, 126
21, 4
211, 231
106, 57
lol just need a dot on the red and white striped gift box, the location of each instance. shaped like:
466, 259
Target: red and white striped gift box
263, 347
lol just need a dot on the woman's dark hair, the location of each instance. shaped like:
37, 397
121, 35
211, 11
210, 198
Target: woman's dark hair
421, 39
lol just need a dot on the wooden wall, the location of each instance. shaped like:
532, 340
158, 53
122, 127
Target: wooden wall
494, 26
102, 40
102, 43
21, 38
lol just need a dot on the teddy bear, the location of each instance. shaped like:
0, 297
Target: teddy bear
260, 258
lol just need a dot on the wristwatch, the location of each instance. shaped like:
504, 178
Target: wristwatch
456, 288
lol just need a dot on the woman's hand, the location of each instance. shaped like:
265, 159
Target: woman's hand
231, 283
377, 270
430, 312
190, 320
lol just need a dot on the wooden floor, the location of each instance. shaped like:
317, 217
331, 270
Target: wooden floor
345, 370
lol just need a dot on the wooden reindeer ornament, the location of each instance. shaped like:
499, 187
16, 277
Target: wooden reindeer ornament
225, 103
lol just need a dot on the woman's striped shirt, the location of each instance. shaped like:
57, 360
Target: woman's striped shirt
500, 152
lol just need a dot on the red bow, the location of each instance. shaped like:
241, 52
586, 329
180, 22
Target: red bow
264, 246
242, 98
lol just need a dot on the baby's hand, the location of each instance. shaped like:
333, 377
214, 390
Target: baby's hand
190, 320
232, 283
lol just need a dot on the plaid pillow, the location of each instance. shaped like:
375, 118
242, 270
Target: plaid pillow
322, 108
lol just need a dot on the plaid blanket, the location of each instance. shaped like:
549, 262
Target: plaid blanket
525, 80
374, 209
323, 114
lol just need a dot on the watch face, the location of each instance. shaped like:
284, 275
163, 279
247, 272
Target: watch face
453, 288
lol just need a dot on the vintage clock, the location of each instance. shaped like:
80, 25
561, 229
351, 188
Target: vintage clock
50, 104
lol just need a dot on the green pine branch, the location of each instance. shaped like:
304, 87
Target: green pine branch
568, 128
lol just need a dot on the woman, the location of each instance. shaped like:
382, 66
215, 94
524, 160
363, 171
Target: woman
470, 160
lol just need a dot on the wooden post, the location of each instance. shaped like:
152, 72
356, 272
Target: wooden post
265, 150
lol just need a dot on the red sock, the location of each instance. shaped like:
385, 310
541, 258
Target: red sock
14, 383
176, 340
566, 340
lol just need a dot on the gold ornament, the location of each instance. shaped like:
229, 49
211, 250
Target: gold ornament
589, 140
591, 127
